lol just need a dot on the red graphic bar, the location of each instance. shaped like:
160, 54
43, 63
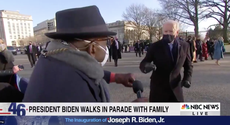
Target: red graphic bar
5, 113
0, 109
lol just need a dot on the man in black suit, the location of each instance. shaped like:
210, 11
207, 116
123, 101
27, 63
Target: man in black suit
39, 49
31, 53
116, 50
138, 47
109, 47
191, 46
169, 55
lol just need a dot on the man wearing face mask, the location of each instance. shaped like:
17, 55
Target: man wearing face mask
71, 71
169, 55
31, 53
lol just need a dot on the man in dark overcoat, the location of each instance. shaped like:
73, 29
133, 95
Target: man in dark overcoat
116, 50
138, 48
169, 55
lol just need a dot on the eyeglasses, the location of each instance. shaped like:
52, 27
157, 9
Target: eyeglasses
94, 41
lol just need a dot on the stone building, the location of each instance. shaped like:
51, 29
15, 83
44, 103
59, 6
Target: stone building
126, 31
15, 26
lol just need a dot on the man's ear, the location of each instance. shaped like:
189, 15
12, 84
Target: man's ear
92, 49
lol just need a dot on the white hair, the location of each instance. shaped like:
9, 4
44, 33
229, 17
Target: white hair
173, 22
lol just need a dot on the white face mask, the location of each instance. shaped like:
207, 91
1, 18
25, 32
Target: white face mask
106, 52
106, 56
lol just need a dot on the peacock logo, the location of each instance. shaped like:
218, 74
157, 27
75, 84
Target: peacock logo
185, 106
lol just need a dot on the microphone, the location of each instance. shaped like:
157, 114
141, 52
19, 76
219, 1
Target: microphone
137, 88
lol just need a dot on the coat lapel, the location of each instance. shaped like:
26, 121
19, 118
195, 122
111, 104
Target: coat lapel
177, 52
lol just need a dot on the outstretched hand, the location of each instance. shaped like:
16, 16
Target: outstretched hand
125, 79
16, 69
149, 67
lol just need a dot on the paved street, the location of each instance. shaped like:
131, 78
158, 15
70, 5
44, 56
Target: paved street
211, 83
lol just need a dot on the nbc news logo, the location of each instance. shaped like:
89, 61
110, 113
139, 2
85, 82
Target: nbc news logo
185, 106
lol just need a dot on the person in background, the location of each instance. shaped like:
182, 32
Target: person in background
169, 55
39, 49
126, 47
191, 46
219, 50
7, 66
31, 52
199, 49
138, 47
210, 45
75, 81
116, 50
109, 47
205, 50
142, 47
8, 91
195, 49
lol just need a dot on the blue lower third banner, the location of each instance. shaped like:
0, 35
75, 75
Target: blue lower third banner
104, 120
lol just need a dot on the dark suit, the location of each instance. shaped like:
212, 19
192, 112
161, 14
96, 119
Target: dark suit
138, 48
166, 80
199, 50
109, 47
210, 45
31, 54
39, 49
116, 53
192, 47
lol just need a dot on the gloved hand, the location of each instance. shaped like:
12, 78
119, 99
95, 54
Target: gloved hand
186, 84
150, 67
125, 79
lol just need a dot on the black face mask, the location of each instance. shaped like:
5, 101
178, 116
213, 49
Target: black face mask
168, 38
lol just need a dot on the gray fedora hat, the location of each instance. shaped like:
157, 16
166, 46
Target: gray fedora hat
85, 22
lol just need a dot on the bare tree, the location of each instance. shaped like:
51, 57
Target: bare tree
219, 10
158, 27
151, 21
215, 33
135, 15
26, 41
185, 11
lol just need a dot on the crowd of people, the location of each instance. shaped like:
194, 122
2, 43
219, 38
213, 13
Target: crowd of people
202, 49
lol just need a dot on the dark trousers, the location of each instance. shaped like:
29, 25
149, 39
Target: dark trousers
138, 52
31, 59
116, 62
110, 55
211, 53
199, 56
